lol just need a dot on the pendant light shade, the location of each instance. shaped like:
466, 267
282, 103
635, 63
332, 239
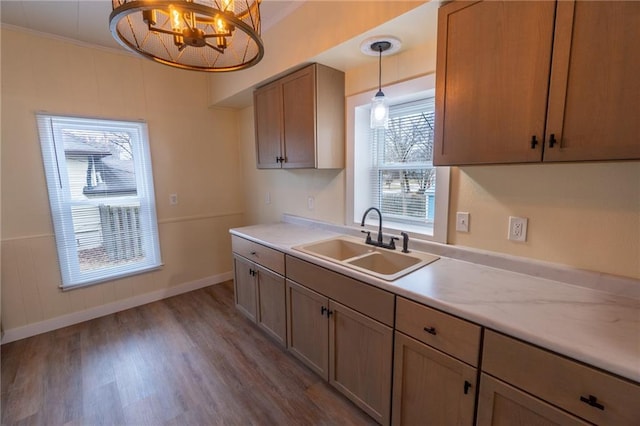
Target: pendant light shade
379, 111
379, 105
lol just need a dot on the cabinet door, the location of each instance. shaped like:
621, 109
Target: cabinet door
360, 360
271, 304
245, 287
308, 328
299, 113
594, 102
430, 387
493, 65
267, 104
500, 404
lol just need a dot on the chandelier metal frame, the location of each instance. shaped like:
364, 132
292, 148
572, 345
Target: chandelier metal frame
186, 25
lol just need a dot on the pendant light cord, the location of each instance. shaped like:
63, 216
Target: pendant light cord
380, 68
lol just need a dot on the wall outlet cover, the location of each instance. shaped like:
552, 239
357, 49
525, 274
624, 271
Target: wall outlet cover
517, 229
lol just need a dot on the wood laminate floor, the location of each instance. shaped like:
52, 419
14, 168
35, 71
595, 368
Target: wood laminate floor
188, 360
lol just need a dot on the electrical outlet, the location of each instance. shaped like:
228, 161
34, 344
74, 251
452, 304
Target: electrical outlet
311, 203
267, 198
517, 228
462, 221
173, 199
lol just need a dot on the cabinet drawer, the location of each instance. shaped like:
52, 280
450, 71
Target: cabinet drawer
265, 256
364, 298
561, 381
452, 335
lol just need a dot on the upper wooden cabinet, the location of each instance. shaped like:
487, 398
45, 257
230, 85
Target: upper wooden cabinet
522, 81
299, 120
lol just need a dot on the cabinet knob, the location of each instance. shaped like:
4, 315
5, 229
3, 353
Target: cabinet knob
592, 401
552, 140
430, 330
323, 310
467, 386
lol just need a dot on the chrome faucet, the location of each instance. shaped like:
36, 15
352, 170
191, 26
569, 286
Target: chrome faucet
380, 241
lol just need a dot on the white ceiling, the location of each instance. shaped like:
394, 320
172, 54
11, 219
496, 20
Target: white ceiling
88, 21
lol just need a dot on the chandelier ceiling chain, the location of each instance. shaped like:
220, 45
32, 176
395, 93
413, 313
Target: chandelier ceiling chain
201, 35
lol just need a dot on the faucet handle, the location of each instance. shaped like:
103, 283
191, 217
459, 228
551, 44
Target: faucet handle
368, 236
392, 243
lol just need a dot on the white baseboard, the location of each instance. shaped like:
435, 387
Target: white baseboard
110, 308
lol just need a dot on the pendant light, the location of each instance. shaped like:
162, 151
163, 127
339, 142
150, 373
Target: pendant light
379, 105
379, 46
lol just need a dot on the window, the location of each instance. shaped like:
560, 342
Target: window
392, 168
402, 174
101, 196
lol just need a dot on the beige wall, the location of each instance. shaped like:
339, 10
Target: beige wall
585, 215
193, 150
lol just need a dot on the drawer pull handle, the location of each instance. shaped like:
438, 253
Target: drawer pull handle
592, 401
467, 386
323, 310
430, 330
329, 313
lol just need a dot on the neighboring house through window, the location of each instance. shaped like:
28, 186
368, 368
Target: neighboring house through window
101, 196
392, 169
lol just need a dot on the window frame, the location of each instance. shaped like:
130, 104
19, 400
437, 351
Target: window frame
358, 131
62, 203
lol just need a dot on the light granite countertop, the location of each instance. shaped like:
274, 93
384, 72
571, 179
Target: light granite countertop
598, 328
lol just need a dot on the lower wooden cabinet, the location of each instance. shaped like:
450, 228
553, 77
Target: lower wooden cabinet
245, 287
260, 295
343, 329
430, 387
500, 404
588, 393
307, 329
272, 311
352, 351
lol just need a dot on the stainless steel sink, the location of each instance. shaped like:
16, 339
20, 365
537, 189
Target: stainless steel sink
382, 263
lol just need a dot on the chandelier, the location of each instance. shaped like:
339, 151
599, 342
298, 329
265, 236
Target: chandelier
200, 35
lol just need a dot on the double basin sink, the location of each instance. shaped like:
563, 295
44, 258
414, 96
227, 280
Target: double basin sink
382, 263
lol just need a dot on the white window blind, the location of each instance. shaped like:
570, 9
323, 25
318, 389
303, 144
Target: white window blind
101, 195
402, 176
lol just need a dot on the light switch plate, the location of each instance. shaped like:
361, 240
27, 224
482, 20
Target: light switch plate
462, 221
